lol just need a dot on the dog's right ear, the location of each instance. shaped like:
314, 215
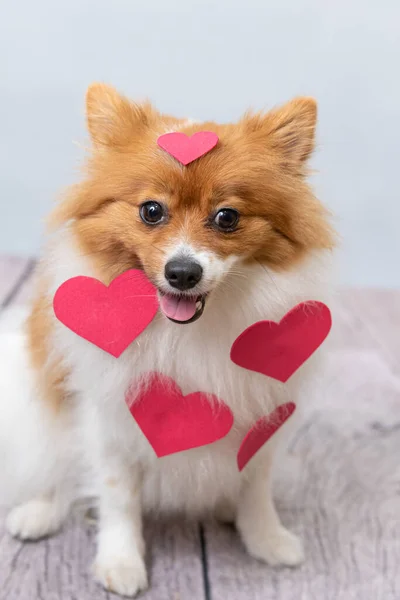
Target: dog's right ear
114, 121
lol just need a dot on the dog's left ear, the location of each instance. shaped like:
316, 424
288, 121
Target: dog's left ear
289, 129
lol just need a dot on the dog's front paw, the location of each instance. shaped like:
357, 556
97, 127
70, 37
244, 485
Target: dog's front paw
278, 548
125, 575
34, 519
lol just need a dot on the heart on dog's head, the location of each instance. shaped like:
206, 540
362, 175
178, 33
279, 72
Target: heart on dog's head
187, 149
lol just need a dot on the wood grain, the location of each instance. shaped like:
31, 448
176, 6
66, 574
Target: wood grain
58, 568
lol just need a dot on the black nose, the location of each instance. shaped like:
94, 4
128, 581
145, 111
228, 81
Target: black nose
183, 274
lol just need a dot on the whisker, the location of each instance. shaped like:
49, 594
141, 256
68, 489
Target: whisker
234, 286
239, 274
157, 248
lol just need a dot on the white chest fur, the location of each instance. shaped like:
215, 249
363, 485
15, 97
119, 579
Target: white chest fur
196, 356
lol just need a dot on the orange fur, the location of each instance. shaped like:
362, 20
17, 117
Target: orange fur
50, 372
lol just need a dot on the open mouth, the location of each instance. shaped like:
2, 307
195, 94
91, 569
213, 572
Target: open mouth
182, 309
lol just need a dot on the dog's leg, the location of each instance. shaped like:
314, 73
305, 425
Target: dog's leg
258, 522
39, 517
119, 564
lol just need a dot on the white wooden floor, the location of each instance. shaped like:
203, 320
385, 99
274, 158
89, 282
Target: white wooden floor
339, 489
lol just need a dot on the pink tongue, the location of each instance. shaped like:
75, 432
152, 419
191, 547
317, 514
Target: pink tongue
177, 307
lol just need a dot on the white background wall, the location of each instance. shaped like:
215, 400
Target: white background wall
209, 59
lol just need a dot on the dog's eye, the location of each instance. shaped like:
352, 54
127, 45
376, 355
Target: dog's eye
152, 213
226, 219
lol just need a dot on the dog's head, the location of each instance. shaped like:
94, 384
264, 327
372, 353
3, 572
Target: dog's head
189, 226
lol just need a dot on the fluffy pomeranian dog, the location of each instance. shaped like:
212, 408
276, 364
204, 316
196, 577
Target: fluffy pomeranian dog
235, 237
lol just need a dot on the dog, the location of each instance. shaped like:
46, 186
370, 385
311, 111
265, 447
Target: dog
235, 237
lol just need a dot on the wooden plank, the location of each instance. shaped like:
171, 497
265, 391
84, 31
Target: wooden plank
58, 568
338, 488
175, 560
23, 293
11, 271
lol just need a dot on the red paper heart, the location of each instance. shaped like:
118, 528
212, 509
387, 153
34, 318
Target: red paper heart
187, 149
279, 349
172, 422
109, 317
262, 431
